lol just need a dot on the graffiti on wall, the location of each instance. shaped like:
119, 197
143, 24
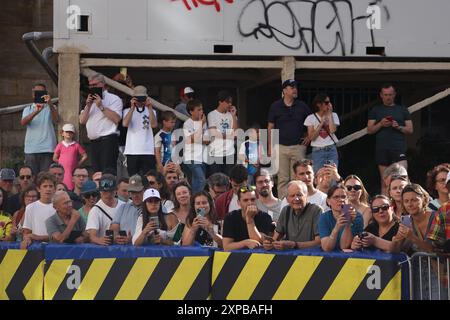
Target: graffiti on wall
313, 26
310, 30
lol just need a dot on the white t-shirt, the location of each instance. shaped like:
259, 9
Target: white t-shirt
98, 125
234, 203
193, 151
140, 134
137, 232
320, 199
98, 220
323, 139
35, 215
223, 122
167, 206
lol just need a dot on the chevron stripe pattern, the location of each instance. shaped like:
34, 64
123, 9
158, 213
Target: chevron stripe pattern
21, 275
242, 276
186, 278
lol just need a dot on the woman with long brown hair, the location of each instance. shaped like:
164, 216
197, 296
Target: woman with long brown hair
201, 224
27, 196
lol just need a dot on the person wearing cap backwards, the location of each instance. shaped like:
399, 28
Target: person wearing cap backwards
101, 115
67, 152
40, 139
153, 226
439, 232
140, 119
128, 213
103, 212
186, 95
287, 115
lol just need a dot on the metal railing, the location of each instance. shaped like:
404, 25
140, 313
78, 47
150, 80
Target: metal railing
429, 276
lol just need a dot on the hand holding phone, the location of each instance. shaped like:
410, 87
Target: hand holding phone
200, 212
390, 118
346, 212
122, 233
39, 96
406, 220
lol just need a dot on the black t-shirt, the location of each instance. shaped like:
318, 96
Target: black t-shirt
235, 227
13, 204
289, 120
390, 138
373, 228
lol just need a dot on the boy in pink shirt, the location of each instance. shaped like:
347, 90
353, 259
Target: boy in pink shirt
66, 154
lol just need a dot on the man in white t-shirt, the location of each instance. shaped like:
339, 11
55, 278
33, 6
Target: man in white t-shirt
222, 123
140, 119
303, 170
195, 137
36, 213
102, 115
103, 212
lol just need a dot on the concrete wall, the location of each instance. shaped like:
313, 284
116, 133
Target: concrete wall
19, 70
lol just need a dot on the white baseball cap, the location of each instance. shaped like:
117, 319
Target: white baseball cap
188, 90
151, 193
68, 127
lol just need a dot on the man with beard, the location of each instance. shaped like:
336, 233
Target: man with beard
266, 201
297, 227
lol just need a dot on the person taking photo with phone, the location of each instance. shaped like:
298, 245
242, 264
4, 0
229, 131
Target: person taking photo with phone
40, 139
201, 224
384, 226
153, 226
322, 125
390, 122
338, 226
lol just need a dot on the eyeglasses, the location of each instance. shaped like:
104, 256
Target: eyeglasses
384, 207
267, 181
343, 197
80, 175
356, 187
91, 195
28, 177
247, 189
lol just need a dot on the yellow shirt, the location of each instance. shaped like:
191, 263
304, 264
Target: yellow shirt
5, 225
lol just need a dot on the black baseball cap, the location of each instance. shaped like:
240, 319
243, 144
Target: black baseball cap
290, 83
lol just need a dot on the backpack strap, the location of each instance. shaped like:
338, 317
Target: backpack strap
326, 128
109, 217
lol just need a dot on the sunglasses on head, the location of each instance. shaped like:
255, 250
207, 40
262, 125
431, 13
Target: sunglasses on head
106, 184
384, 207
247, 189
356, 187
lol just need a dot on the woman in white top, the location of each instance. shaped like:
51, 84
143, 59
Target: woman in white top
322, 125
153, 226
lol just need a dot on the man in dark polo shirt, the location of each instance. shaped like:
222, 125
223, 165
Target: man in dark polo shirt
287, 115
390, 123
66, 225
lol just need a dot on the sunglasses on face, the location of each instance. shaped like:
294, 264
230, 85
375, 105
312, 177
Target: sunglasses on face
356, 187
91, 195
25, 177
384, 207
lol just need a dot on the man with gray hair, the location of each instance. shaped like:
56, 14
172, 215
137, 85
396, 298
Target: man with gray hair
218, 183
101, 115
394, 170
66, 225
297, 227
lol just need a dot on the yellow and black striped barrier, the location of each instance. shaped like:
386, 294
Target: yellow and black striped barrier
21, 274
245, 276
165, 278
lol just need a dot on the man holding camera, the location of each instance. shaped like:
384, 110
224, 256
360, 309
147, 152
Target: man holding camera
40, 138
101, 115
140, 119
